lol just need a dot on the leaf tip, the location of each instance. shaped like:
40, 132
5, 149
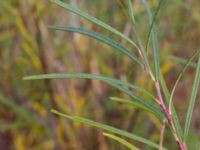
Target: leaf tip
53, 111
25, 78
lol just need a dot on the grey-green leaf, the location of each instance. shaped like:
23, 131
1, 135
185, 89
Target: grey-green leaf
183, 61
131, 12
193, 96
94, 20
131, 103
152, 23
101, 38
120, 140
113, 82
189, 61
174, 116
153, 37
16, 109
107, 128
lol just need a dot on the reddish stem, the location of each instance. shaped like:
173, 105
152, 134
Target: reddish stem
168, 116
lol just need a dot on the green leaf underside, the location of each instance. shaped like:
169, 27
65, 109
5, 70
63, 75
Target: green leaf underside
101, 38
94, 20
107, 128
153, 37
193, 96
113, 82
120, 140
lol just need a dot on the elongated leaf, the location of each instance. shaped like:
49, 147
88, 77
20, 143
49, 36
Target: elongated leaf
192, 100
113, 82
123, 5
171, 107
101, 38
179, 77
153, 38
93, 20
96, 77
173, 111
129, 103
130, 9
152, 23
131, 12
183, 61
16, 108
111, 43
122, 141
139, 42
7, 126
107, 128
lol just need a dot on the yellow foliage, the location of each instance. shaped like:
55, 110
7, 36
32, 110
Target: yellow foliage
34, 59
19, 142
167, 66
6, 35
40, 109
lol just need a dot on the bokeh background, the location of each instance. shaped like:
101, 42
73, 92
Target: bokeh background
28, 47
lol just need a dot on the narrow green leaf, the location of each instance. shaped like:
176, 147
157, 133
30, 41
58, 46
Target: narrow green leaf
171, 106
139, 41
192, 100
16, 108
152, 23
7, 126
113, 82
93, 20
183, 61
92, 76
164, 87
120, 140
131, 12
179, 77
133, 104
107, 128
173, 111
101, 38
153, 37
123, 5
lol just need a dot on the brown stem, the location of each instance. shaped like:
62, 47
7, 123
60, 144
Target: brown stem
168, 116
162, 135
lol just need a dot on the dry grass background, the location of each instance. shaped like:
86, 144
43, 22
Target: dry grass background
28, 47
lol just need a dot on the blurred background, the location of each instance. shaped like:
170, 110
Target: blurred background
28, 47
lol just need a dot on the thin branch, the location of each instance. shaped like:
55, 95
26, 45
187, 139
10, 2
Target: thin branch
168, 116
162, 134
